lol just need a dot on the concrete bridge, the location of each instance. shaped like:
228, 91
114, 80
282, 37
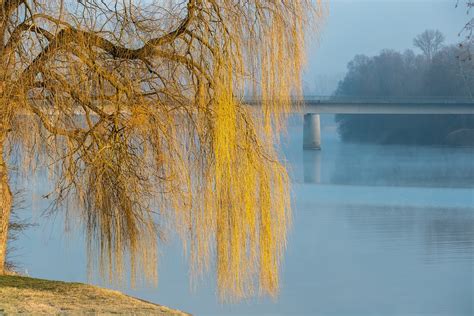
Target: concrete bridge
314, 106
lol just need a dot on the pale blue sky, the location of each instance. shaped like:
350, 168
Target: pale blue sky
367, 26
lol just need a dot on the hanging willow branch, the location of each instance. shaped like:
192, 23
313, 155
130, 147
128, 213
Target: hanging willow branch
137, 106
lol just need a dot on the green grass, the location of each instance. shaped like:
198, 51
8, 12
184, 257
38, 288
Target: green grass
36, 296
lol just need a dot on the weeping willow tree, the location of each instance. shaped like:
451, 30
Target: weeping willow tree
137, 108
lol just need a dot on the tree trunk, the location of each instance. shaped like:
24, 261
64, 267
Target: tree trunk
5, 206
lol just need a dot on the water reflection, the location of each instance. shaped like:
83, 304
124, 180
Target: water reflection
377, 230
402, 166
441, 233
450, 237
312, 166
362, 164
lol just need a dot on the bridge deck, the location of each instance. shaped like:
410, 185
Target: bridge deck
388, 107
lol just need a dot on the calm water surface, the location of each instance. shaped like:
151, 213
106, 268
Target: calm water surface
378, 230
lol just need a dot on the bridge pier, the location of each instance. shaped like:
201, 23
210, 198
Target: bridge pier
312, 132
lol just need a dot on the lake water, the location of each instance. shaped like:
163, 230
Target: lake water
378, 230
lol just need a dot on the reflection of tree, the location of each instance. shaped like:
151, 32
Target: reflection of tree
451, 235
399, 166
444, 233
388, 221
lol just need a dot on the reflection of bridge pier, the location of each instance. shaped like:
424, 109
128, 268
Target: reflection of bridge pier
347, 105
312, 166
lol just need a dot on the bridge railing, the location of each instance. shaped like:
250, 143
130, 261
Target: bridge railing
376, 99
384, 99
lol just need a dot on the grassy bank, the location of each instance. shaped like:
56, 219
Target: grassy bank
36, 296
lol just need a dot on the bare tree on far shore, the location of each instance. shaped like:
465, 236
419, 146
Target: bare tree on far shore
429, 42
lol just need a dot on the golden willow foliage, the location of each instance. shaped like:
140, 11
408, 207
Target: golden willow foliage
137, 107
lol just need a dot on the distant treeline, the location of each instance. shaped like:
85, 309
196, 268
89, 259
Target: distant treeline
439, 72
